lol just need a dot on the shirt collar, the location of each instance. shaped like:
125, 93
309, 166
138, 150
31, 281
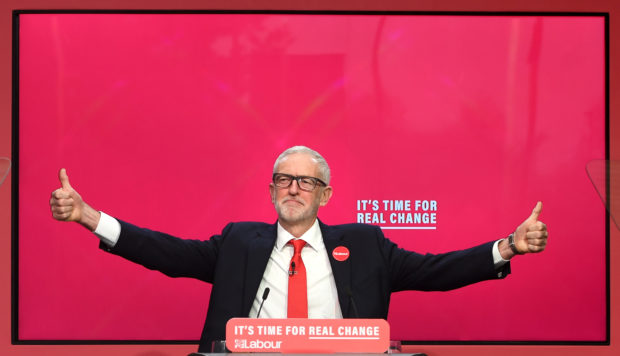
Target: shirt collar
312, 237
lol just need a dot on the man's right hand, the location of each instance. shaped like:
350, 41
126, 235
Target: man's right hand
67, 205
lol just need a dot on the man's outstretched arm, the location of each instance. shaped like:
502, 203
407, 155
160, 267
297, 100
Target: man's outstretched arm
170, 255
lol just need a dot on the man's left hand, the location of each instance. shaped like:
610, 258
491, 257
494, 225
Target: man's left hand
531, 235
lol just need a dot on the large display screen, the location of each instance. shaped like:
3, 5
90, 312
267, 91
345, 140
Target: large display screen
445, 130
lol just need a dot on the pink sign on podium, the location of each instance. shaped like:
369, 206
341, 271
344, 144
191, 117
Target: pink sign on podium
308, 335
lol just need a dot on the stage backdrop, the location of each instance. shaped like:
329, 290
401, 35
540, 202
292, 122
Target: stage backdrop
443, 130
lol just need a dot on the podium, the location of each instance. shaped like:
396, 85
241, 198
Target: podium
362, 337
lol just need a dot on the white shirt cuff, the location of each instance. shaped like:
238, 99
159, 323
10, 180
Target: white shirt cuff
497, 257
108, 230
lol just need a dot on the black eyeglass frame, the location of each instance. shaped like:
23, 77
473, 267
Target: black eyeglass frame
316, 181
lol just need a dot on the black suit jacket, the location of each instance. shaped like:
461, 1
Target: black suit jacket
235, 260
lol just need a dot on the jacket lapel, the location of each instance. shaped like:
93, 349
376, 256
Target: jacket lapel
341, 269
258, 255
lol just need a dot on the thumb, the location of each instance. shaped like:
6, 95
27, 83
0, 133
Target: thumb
64, 179
536, 211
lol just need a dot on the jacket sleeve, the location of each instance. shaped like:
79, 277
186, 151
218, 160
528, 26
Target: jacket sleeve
173, 256
409, 270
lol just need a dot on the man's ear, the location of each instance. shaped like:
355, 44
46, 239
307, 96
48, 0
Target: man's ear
272, 192
326, 194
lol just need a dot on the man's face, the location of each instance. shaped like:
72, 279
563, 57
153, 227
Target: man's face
294, 205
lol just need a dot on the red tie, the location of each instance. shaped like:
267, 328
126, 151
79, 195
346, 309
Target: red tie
297, 286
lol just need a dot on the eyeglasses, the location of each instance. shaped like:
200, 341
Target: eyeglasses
306, 183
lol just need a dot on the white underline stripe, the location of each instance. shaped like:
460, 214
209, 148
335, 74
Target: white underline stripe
409, 227
342, 338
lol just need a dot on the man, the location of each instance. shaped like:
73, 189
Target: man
246, 258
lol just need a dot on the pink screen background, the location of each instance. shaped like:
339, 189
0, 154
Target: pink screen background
173, 122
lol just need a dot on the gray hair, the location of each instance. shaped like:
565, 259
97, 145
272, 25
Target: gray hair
321, 162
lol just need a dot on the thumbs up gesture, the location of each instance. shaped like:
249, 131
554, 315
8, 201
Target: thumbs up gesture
67, 205
531, 235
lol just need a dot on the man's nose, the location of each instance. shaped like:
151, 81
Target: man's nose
293, 189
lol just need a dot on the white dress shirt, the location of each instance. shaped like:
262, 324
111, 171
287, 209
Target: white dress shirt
322, 293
